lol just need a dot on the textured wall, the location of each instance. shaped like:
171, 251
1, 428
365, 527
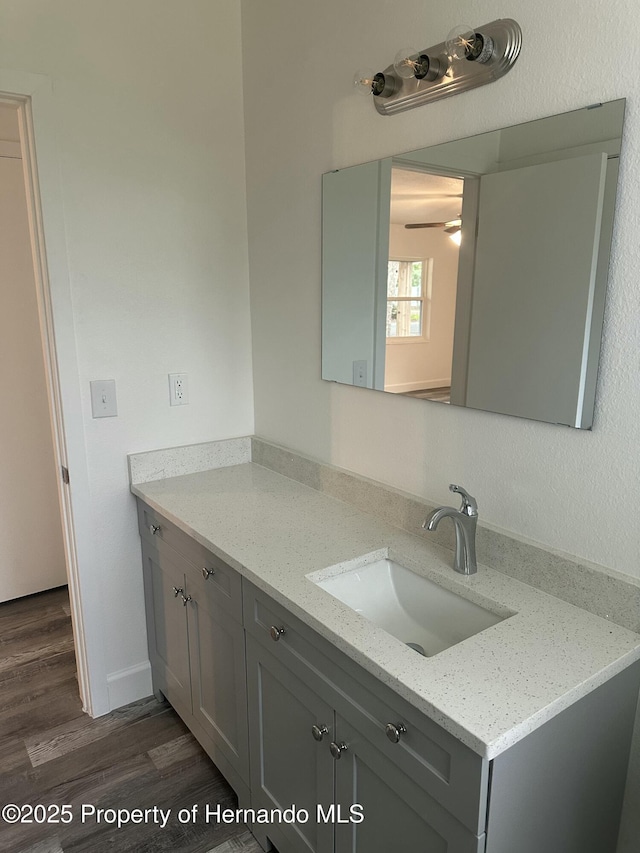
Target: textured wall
152, 172
574, 491
567, 489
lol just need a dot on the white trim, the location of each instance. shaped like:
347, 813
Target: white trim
34, 96
128, 685
418, 386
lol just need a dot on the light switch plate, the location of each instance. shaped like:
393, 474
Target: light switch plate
103, 398
360, 373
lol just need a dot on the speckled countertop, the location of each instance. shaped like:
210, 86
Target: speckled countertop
489, 691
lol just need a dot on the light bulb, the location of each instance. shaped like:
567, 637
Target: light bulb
368, 83
482, 49
363, 81
464, 43
460, 42
406, 62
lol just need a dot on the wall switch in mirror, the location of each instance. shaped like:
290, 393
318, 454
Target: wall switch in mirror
360, 373
178, 389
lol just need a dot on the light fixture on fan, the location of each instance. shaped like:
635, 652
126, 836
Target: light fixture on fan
469, 57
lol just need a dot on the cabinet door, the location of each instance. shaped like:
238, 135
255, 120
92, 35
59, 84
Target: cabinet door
167, 628
289, 767
218, 682
398, 815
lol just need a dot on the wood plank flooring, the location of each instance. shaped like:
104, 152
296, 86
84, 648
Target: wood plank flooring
51, 753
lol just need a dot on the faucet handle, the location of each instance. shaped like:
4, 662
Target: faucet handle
469, 505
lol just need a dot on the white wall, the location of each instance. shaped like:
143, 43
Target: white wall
150, 139
28, 490
569, 490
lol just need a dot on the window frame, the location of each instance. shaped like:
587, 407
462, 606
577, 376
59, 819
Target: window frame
425, 299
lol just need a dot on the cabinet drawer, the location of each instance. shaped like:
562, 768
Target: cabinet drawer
433, 759
205, 572
450, 772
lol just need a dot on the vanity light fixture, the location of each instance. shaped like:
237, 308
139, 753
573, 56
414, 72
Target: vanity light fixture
469, 57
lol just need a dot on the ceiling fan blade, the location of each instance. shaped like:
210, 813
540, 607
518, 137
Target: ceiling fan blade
451, 226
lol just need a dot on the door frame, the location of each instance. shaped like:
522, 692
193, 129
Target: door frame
33, 96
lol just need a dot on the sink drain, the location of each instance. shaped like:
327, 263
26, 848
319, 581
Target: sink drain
417, 648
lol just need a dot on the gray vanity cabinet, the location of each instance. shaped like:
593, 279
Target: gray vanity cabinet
218, 683
196, 642
288, 766
167, 628
318, 737
398, 813
559, 790
293, 722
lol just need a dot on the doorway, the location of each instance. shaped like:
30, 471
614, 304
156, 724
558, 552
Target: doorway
19, 93
32, 557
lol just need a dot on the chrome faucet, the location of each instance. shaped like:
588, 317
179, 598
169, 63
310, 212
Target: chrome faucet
464, 520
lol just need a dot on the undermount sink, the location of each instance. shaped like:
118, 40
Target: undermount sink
417, 611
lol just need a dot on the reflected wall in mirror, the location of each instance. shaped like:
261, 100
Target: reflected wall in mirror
474, 272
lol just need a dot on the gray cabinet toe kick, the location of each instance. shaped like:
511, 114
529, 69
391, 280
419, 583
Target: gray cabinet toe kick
294, 723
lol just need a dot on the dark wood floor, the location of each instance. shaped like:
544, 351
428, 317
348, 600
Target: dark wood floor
440, 395
51, 753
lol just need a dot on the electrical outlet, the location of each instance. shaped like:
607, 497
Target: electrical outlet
178, 389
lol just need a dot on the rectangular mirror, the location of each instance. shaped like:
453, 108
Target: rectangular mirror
474, 272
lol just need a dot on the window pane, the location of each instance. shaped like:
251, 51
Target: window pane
404, 278
415, 318
416, 278
404, 319
392, 319
392, 278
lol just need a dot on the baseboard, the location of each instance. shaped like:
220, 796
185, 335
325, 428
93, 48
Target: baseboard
403, 387
130, 684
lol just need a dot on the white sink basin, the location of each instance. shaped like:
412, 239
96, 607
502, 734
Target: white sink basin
413, 608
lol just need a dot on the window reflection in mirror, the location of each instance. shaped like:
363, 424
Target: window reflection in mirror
424, 222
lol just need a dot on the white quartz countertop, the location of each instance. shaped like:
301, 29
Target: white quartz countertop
489, 691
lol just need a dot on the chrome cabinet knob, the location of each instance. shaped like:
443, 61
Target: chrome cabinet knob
394, 733
319, 732
207, 573
154, 528
337, 749
177, 590
185, 599
275, 633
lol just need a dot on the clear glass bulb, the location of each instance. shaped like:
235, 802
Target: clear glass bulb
363, 81
405, 63
460, 41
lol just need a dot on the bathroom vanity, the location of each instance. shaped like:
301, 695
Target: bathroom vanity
515, 738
